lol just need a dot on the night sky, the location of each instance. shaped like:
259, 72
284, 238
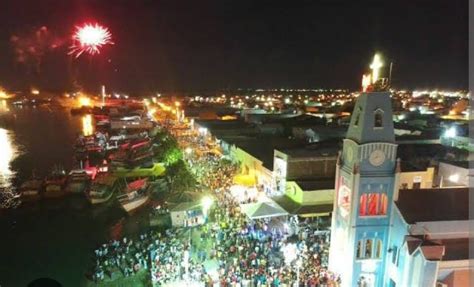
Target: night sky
206, 45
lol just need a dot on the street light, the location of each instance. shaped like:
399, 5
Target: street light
451, 132
206, 203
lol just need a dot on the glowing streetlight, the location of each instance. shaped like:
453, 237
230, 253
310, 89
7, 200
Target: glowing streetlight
451, 132
206, 203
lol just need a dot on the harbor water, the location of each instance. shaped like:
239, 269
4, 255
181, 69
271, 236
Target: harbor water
52, 238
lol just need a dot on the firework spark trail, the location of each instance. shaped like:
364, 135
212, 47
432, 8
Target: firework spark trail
89, 38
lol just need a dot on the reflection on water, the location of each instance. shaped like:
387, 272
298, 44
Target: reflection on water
87, 127
3, 106
8, 152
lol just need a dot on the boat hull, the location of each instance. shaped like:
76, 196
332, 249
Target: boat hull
132, 206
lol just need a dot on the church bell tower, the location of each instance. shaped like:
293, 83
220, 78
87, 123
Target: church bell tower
365, 178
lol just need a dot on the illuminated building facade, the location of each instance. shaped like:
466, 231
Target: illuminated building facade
365, 186
383, 235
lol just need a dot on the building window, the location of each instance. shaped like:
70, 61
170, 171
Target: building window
373, 204
416, 185
368, 248
357, 117
378, 119
394, 254
359, 250
378, 250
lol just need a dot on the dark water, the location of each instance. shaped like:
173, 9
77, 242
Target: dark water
50, 238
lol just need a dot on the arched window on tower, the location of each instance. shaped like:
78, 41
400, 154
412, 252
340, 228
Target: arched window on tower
378, 118
357, 116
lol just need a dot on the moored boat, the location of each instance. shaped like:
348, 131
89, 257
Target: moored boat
145, 170
103, 188
135, 195
78, 181
55, 182
31, 189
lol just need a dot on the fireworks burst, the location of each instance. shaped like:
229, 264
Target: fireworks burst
89, 38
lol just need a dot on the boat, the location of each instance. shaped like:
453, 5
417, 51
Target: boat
132, 154
145, 170
30, 190
78, 181
103, 188
135, 195
55, 182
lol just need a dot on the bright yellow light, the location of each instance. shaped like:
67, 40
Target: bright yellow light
87, 127
375, 66
206, 202
7, 154
84, 101
35, 91
4, 95
366, 80
177, 104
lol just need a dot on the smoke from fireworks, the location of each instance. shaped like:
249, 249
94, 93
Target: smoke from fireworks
89, 38
30, 47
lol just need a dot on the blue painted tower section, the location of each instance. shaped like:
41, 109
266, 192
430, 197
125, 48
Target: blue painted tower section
365, 187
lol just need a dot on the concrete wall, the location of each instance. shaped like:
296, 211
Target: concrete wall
451, 175
425, 178
294, 192
458, 278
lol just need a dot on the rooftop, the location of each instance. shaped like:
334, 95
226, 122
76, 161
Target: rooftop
293, 207
311, 185
320, 149
440, 204
456, 249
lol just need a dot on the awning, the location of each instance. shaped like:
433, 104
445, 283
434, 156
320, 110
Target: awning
245, 180
295, 208
262, 210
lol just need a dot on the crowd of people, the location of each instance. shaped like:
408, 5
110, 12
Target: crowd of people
229, 249
123, 257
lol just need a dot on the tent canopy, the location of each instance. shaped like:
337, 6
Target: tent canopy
263, 209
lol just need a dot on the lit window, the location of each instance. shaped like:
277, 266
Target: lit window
378, 119
373, 204
363, 205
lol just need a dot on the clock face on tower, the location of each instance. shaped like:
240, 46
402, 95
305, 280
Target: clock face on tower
377, 157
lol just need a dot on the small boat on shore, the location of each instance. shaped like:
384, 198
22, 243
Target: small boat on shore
103, 188
55, 182
78, 181
135, 195
30, 190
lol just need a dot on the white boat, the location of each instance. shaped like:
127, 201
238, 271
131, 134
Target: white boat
135, 195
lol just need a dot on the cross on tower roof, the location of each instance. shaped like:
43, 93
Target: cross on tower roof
375, 66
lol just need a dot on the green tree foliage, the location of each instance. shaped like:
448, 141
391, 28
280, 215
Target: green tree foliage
179, 177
